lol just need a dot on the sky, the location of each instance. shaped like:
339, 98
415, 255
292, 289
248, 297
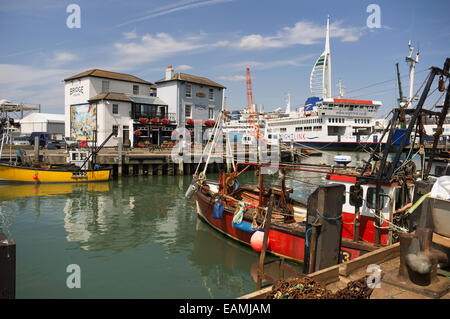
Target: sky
279, 40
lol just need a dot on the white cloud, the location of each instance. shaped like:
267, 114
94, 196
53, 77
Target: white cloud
130, 35
302, 33
64, 57
232, 78
182, 67
263, 65
179, 6
150, 48
22, 83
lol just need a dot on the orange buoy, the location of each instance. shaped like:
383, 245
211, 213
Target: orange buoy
257, 240
35, 177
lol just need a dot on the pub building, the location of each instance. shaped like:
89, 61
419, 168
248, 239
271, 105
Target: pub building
99, 102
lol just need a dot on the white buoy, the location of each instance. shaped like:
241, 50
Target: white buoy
342, 159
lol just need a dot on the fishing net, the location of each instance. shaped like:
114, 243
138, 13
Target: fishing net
308, 288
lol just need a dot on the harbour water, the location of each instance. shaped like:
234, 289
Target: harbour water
133, 237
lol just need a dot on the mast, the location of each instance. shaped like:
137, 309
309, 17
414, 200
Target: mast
327, 70
320, 80
412, 67
401, 103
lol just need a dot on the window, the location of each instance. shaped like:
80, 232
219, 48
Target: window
371, 198
188, 110
135, 89
283, 129
115, 129
105, 86
211, 94
188, 89
115, 108
298, 129
211, 113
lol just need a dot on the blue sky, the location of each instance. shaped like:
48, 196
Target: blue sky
278, 40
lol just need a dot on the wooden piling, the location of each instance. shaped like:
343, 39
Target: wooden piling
36, 148
265, 239
131, 169
180, 167
324, 222
7, 268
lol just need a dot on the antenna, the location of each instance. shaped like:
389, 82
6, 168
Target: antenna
409, 59
341, 89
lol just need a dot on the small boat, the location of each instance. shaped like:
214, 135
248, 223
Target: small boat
24, 174
23, 171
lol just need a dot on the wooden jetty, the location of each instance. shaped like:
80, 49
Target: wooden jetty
155, 161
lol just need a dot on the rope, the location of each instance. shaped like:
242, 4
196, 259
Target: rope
237, 219
306, 236
328, 218
417, 204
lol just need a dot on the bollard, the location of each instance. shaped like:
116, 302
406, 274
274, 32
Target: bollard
36, 148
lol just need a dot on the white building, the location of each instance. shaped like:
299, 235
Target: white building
99, 102
190, 97
43, 122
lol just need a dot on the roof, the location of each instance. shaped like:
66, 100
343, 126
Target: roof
108, 75
111, 96
193, 79
147, 100
43, 117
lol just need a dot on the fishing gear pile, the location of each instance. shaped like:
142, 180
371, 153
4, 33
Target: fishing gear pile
308, 288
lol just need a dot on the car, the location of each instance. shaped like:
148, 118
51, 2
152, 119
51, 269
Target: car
22, 140
70, 142
53, 145
44, 138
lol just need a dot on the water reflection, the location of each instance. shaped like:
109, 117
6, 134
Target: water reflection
222, 262
134, 211
12, 192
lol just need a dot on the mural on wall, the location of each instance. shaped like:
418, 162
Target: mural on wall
83, 121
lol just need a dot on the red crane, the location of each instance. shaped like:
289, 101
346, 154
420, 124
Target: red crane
251, 107
249, 92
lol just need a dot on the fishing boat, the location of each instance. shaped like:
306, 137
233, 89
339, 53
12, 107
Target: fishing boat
376, 199
22, 171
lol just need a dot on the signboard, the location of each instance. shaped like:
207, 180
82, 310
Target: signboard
83, 121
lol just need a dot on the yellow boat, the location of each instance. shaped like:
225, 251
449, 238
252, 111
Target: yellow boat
12, 173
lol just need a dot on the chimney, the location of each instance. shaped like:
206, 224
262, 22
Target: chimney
169, 72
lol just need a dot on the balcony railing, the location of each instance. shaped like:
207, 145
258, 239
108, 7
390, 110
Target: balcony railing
160, 115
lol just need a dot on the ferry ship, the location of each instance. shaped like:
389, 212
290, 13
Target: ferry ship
326, 122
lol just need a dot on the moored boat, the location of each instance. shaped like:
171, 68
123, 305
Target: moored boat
24, 174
